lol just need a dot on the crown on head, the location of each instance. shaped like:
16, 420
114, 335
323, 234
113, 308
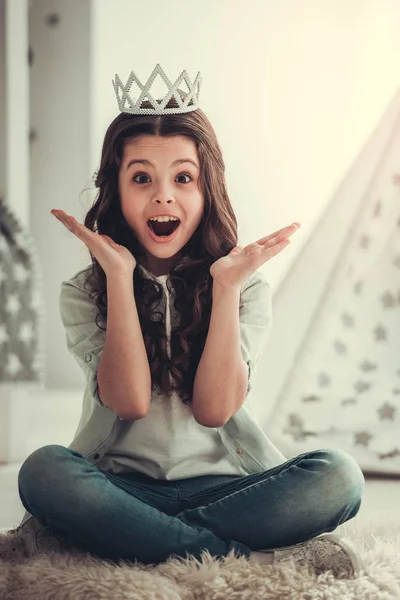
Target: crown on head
130, 104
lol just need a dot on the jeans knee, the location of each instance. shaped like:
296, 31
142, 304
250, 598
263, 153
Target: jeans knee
35, 470
345, 475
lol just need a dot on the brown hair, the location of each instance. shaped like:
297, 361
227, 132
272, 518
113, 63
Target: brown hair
190, 278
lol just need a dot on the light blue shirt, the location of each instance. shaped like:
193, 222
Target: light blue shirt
157, 444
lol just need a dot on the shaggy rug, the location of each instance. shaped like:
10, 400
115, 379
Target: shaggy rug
70, 574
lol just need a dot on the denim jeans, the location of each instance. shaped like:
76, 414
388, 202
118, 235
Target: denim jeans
136, 517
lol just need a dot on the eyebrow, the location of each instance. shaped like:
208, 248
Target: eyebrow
147, 162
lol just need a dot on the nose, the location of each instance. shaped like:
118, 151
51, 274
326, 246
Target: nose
163, 196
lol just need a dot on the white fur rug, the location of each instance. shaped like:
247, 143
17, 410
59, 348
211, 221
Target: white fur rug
76, 575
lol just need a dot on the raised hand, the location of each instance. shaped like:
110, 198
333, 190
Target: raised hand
233, 270
112, 257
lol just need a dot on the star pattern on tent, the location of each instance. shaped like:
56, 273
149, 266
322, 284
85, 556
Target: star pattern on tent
348, 401
392, 454
13, 304
295, 428
367, 327
388, 300
324, 379
340, 347
348, 320
377, 209
312, 398
368, 366
13, 364
300, 435
386, 411
362, 438
362, 386
365, 241
295, 420
4, 337
26, 333
21, 274
380, 333
21, 304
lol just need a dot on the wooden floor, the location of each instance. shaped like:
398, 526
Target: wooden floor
56, 422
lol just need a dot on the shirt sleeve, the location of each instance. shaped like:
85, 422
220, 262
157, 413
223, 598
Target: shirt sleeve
85, 340
255, 316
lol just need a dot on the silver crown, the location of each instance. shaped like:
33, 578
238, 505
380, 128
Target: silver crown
130, 104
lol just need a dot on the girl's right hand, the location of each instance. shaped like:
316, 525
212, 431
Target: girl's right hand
112, 257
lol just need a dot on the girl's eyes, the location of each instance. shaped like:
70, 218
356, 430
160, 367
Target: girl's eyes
144, 175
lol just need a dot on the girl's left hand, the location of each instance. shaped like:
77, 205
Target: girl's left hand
233, 270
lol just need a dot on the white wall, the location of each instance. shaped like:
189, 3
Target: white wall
2, 101
60, 104
14, 104
293, 90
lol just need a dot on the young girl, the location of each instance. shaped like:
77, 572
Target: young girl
167, 459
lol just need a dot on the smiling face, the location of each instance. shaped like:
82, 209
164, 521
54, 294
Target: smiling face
161, 187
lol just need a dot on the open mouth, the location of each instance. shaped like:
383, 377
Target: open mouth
163, 229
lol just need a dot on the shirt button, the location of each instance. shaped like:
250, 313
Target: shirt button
88, 357
239, 451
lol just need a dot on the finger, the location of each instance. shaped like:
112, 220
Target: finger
271, 235
81, 231
276, 248
63, 217
287, 231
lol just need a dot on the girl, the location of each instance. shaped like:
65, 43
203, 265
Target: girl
167, 459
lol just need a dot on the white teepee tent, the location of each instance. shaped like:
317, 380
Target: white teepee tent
334, 351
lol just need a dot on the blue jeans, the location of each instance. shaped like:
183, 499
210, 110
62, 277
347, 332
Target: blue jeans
135, 517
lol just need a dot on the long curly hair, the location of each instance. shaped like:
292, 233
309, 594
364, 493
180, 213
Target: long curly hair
190, 278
